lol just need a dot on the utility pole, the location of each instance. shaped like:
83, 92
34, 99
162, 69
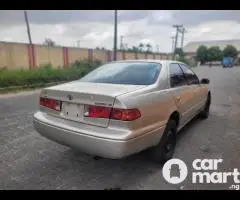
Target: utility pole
176, 37
28, 28
121, 43
78, 43
115, 37
183, 31
173, 43
157, 47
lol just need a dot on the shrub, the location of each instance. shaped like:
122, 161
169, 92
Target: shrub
188, 62
46, 74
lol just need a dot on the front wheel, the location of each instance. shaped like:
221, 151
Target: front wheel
165, 148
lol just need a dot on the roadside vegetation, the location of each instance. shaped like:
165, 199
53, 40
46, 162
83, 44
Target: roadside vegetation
190, 63
46, 74
214, 54
206, 55
180, 56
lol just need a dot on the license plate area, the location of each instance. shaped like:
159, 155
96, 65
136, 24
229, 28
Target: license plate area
72, 111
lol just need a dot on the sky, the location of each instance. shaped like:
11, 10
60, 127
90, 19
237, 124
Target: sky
95, 28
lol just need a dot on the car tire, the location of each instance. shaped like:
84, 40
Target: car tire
165, 148
204, 114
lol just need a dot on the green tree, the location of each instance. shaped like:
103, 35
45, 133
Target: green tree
49, 42
135, 49
129, 50
179, 51
214, 53
201, 54
230, 51
100, 48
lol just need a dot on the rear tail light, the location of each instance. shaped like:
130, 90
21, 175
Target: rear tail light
112, 113
98, 112
50, 103
125, 114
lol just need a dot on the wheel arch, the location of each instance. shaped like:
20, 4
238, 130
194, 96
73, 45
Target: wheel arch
175, 115
209, 96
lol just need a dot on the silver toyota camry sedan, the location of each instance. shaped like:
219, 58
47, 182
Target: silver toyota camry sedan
124, 107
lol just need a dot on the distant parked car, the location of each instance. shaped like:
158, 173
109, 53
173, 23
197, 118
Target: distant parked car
227, 62
124, 107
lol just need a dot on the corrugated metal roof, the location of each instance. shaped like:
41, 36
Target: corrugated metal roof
192, 46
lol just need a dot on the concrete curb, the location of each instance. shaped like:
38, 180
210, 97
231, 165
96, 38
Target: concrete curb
11, 89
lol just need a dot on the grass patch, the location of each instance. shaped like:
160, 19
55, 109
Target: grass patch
46, 74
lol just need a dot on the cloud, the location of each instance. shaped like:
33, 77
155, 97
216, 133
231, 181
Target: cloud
196, 17
215, 30
186, 17
95, 28
160, 17
16, 17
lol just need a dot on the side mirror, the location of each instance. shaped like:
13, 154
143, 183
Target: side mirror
205, 81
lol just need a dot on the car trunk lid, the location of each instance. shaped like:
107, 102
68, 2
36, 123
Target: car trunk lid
76, 96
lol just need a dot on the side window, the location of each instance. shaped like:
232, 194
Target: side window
190, 75
177, 77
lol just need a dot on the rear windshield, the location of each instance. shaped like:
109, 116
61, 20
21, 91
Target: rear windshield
130, 73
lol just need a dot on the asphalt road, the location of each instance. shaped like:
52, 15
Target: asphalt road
29, 161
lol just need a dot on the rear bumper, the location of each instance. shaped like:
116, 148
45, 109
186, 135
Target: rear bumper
97, 146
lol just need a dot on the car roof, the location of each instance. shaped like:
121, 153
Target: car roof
147, 60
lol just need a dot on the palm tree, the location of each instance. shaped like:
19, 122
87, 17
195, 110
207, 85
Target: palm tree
141, 45
149, 47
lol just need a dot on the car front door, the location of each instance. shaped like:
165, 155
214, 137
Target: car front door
199, 92
183, 93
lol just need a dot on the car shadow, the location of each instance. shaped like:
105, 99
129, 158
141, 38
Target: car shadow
113, 174
121, 173
70, 168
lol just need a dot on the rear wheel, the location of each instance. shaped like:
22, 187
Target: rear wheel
165, 148
204, 114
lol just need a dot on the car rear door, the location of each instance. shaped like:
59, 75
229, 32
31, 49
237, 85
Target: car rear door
183, 93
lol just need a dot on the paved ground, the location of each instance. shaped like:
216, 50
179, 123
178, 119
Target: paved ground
29, 161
